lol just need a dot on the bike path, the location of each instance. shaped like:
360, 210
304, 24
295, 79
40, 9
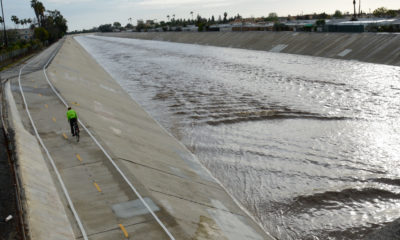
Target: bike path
93, 185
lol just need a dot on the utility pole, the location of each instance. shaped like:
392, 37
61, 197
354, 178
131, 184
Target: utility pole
359, 8
355, 14
4, 25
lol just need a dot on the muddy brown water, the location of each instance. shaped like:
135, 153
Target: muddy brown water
310, 146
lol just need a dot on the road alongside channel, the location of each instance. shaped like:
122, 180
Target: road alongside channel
43, 212
12, 201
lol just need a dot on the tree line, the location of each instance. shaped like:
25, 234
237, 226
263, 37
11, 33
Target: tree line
51, 25
48, 26
203, 24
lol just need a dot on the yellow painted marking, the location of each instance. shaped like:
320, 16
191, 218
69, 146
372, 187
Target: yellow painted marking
54, 119
40, 95
97, 186
65, 136
124, 230
46, 106
79, 157
35, 86
75, 103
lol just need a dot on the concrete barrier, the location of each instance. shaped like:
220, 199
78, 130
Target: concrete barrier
383, 48
45, 214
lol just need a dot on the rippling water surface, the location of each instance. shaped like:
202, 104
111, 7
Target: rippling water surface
310, 146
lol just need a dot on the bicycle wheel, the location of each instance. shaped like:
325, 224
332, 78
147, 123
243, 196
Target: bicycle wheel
77, 133
76, 130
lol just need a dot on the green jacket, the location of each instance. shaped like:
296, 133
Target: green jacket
71, 114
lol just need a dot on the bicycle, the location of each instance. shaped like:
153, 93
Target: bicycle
76, 130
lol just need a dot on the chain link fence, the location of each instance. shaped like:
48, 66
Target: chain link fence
6, 58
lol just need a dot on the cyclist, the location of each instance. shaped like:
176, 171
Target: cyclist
72, 119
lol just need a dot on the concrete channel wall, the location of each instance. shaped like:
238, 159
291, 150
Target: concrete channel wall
45, 216
383, 48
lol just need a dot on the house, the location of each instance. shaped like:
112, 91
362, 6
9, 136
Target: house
25, 33
370, 25
190, 28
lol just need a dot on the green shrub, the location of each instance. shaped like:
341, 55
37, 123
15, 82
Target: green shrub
41, 34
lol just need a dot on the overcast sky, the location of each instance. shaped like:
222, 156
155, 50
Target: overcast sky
89, 13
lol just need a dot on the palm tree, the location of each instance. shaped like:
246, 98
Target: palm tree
25, 21
191, 13
168, 17
34, 6
22, 22
15, 20
39, 10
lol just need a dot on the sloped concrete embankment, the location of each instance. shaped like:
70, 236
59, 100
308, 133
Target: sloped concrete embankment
366, 47
45, 215
150, 157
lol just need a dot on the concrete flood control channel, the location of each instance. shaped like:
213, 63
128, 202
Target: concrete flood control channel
97, 192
